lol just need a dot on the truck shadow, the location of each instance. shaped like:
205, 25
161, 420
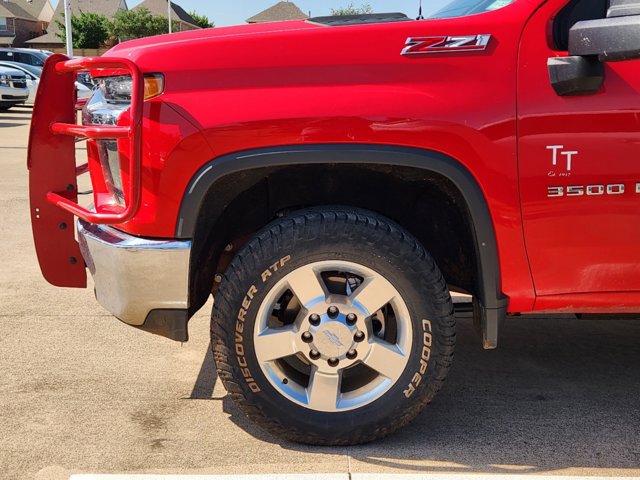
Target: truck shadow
23, 118
206, 380
559, 393
16, 117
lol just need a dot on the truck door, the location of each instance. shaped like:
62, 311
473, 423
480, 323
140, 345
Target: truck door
579, 161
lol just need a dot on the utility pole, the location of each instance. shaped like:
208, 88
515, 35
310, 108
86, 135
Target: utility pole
169, 16
67, 26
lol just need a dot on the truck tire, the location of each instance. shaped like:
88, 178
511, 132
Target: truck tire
333, 326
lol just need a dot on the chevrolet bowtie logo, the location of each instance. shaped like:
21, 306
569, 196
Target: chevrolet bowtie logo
333, 338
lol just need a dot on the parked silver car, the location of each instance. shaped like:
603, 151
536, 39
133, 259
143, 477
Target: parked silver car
33, 74
13, 88
27, 56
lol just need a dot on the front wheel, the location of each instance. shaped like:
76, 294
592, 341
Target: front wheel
333, 326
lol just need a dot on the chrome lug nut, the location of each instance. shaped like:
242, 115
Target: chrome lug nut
359, 336
314, 354
333, 312
307, 337
352, 319
314, 319
351, 354
333, 362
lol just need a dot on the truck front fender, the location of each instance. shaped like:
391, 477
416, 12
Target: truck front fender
491, 302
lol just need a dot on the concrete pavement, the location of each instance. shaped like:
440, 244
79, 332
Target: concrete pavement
81, 393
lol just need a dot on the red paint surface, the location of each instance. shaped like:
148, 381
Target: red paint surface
298, 83
51, 162
295, 83
584, 244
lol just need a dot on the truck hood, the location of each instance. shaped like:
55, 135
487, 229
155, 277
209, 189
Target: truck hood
134, 49
305, 52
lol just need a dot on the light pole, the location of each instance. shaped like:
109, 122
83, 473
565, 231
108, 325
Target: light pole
67, 26
169, 16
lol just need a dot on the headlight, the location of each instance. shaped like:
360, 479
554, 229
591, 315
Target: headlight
116, 89
4, 80
105, 107
109, 101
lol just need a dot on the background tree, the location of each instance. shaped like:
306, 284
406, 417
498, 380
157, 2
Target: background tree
201, 20
139, 23
351, 9
90, 30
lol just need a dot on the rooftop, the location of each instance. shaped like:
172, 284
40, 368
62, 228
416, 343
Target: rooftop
104, 7
14, 10
284, 10
30, 9
159, 7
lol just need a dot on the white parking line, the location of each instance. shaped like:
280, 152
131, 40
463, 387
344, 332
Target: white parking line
481, 476
345, 476
272, 476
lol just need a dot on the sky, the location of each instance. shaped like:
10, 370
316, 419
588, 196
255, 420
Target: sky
225, 12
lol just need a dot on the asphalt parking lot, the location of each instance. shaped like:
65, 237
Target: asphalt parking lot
82, 393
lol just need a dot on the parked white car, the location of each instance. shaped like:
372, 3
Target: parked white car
33, 73
13, 88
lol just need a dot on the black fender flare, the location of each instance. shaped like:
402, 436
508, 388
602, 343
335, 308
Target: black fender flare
491, 303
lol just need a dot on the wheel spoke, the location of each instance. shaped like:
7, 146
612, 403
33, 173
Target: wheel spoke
374, 294
323, 390
386, 359
273, 344
307, 286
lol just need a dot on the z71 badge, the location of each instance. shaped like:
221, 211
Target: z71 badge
462, 43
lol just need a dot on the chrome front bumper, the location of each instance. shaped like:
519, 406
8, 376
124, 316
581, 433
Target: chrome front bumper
139, 280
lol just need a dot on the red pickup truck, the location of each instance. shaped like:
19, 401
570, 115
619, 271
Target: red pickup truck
331, 181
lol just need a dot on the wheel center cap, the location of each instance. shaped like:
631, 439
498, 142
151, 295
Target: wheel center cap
333, 339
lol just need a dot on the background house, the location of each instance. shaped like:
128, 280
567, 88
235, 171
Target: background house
178, 15
280, 11
51, 41
21, 20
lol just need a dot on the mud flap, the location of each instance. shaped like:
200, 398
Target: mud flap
52, 168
